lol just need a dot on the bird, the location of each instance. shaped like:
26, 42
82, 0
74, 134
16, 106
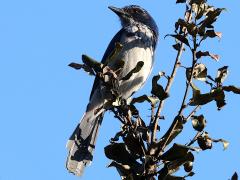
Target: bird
138, 36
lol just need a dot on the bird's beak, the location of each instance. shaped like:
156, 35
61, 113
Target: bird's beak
118, 11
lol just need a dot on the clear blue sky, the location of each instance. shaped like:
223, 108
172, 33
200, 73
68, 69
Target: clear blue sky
42, 99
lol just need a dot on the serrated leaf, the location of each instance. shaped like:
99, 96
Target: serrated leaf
198, 122
137, 68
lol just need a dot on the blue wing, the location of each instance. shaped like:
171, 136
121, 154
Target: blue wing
110, 48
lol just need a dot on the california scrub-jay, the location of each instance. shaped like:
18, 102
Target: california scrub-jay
139, 35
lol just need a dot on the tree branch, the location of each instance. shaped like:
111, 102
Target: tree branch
169, 83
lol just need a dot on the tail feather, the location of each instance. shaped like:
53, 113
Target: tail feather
82, 142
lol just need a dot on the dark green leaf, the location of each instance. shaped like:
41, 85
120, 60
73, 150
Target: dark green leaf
212, 34
150, 99
157, 89
199, 54
201, 99
82, 66
188, 166
92, 63
177, 151
180, 38
199, 72
211, 18
177, 46
204, 141
123, 170
119, 153
173, 166
219, 97
233, 89
134, 111
201, 8
191, 27
133, 144
117, 136
199, 122
198, 98
181, 1
171, 177
190, 174
198, 2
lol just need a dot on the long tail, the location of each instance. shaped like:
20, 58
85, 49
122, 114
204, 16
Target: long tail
82, 142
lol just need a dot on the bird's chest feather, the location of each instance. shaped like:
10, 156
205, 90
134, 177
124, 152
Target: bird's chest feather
136, 47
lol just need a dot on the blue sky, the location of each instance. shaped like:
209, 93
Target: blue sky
42, 99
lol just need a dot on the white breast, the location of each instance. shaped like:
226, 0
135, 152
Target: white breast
128, 87
136, 48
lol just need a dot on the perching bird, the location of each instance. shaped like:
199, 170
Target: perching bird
139, 35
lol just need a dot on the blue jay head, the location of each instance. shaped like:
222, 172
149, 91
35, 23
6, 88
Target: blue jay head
135, 14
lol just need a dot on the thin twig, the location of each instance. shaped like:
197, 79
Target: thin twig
175, 122
118, 116
192, 113
169, 83
194, 139
194, 60
152, 112
189, 81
